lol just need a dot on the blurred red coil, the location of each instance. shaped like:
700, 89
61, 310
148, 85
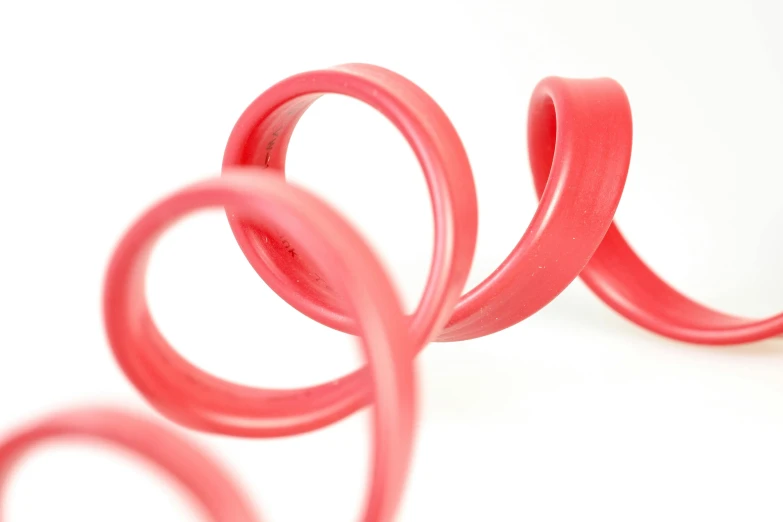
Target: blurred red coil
210, 486
579, 140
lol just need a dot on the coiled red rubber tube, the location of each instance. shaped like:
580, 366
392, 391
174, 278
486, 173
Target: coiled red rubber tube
579, 139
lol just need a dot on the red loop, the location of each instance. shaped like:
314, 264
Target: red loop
261, 138
196, 399
207, 482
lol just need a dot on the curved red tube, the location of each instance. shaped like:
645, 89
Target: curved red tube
260, 139
196, 399
621, 279
204, 479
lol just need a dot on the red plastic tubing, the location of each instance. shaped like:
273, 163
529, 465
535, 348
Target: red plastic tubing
579, 141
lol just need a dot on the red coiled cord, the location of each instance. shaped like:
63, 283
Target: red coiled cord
579, 140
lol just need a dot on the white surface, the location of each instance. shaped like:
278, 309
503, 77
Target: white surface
574, 414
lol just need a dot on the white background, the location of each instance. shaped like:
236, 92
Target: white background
574, 414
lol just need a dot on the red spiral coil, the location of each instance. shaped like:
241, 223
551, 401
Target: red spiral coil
579, 141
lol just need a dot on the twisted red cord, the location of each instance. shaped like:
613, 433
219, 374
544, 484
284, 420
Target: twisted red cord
579, 141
